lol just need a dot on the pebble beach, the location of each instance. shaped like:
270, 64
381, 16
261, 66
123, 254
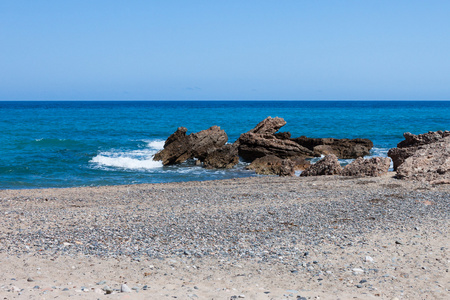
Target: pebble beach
327, 237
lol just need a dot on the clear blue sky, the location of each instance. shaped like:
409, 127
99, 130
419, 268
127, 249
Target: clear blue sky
214, 50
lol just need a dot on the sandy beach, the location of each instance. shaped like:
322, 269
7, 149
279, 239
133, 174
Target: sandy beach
327, 237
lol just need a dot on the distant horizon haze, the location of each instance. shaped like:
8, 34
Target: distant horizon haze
229, 51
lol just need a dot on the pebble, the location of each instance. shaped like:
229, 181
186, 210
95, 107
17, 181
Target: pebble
369, 259
357, 270
30, 279
124, 288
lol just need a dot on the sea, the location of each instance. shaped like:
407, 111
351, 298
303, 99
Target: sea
60, 144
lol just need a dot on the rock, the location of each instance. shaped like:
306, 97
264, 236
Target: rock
206, 140
272, 165
342, 148
30, 279
225, 157
268, 126
399, 155
329, 165
124, 288
412, 143
179, 147
373, 167
429, 163
253, 146
300, 163
283, 135
369, 259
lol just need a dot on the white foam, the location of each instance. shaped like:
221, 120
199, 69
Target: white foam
131, 160
156, 145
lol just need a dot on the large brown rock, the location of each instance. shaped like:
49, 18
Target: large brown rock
179, 147
373, 167
412, 143
342, 148
253, 146
429, 163
272, 165
225, 157
268, 126
329, 165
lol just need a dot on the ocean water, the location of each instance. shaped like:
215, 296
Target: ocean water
65, 144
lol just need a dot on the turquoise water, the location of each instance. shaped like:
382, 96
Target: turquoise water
65, 144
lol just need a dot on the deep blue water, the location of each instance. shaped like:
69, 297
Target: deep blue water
65, 144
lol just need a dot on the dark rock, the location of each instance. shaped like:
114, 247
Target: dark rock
225, 157
374, 167
176, 148
300, 163
429, 163
272, 165
283, 135
206, 140
268, 126
253, 146
342, 148
399, 155
329, 165
412, 143
179, 147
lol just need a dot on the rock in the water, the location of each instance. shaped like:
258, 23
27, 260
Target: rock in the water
253, 146
429, 163
268, 126
272, 165
374, 167
204, 141
342, 148
222, 158
412, 143
179, 147
329, 165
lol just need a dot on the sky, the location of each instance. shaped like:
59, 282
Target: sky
224, 50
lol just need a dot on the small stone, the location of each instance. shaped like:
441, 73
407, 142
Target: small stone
101, 282
15, 289
369, 259
359, 286
30, 279
301, 298
358, 270
398, 243
124, 288
145, 287
363, 281
65, 289
241, 296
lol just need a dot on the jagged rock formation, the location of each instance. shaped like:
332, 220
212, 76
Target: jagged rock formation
412, 143
179, 147
342, 148
253, 146
373, 167
225, 157
430, 162
272, 165
329, 165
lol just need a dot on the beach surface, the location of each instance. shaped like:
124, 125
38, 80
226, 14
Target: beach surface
266, 237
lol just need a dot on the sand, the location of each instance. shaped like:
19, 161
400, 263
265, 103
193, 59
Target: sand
324, 237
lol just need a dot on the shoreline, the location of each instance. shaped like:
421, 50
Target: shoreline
260, 237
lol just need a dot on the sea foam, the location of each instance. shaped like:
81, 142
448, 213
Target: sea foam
130, 160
